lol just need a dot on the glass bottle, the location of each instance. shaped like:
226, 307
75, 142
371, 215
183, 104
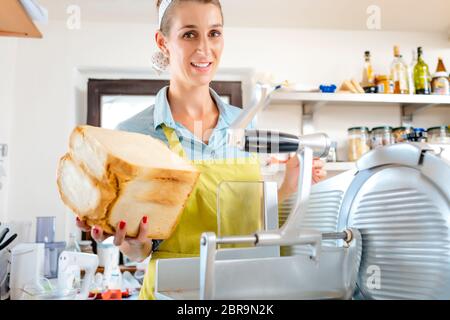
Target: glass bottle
422, 77
368, 79
411, 85
399, 73
440, 84
72, 245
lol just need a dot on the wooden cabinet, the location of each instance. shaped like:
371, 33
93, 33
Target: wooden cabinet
15, 22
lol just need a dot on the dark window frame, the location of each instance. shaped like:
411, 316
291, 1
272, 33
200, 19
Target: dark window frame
99, 87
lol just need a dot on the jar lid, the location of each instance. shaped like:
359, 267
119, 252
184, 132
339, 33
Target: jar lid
419, 130
403, 128
85, 243
358, 128
442, 128
382, 128
441, 74
381, 77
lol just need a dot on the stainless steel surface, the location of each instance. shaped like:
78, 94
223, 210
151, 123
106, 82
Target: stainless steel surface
404, 154
319, 143
405, 225
324, 204
270, 196
234, 239
170, 283
335, 236
400, 204
295, 277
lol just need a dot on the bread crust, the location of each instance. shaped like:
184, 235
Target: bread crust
128, 191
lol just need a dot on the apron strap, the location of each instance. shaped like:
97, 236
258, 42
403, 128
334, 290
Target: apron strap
174, 141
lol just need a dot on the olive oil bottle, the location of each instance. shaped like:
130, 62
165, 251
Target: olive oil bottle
422, 77
368, 79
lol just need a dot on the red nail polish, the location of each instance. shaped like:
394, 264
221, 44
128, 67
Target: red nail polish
78, 219
144, 219
96, 231
122, 225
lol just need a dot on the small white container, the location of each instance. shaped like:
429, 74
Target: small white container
108, 254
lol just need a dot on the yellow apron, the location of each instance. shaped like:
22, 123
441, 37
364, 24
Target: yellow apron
200, 214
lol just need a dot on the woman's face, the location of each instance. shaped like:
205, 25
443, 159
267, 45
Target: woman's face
195, 42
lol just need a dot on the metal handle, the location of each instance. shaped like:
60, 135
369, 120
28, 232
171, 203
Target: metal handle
261, 141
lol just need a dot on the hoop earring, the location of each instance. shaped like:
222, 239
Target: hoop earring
160, 62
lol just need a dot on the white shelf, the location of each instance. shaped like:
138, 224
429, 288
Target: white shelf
310, 101
359, 98
340, 166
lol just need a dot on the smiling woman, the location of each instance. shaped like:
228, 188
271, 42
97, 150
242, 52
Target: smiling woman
192, 120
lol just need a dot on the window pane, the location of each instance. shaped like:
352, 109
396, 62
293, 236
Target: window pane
225, 99
115, 109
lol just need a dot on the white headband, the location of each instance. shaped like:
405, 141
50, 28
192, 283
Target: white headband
162, 10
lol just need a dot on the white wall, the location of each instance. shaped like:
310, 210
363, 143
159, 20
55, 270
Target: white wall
7, 65
46, 100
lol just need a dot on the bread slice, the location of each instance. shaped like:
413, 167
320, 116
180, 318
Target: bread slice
108, 176
348, 86
81, 192
357, 86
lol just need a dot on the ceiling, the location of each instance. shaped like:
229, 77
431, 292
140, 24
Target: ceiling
396, 15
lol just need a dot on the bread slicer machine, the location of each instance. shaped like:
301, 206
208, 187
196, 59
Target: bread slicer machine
380, 231
259, 272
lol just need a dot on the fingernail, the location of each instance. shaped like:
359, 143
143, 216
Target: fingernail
122, 225
96, 231
144, 219
78, 219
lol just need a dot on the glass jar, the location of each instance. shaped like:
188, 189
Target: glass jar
358, 142
401, 134
72, 245
439, 134
384, 84
440, 84
418, 135
86, 246
381, 136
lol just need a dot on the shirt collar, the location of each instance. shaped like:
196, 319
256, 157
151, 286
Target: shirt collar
163, 115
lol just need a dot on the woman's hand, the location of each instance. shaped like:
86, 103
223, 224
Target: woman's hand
137, 249
290, 182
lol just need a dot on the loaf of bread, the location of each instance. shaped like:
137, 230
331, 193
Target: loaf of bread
108, 176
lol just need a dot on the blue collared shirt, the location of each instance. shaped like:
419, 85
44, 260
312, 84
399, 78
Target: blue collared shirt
149, 122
